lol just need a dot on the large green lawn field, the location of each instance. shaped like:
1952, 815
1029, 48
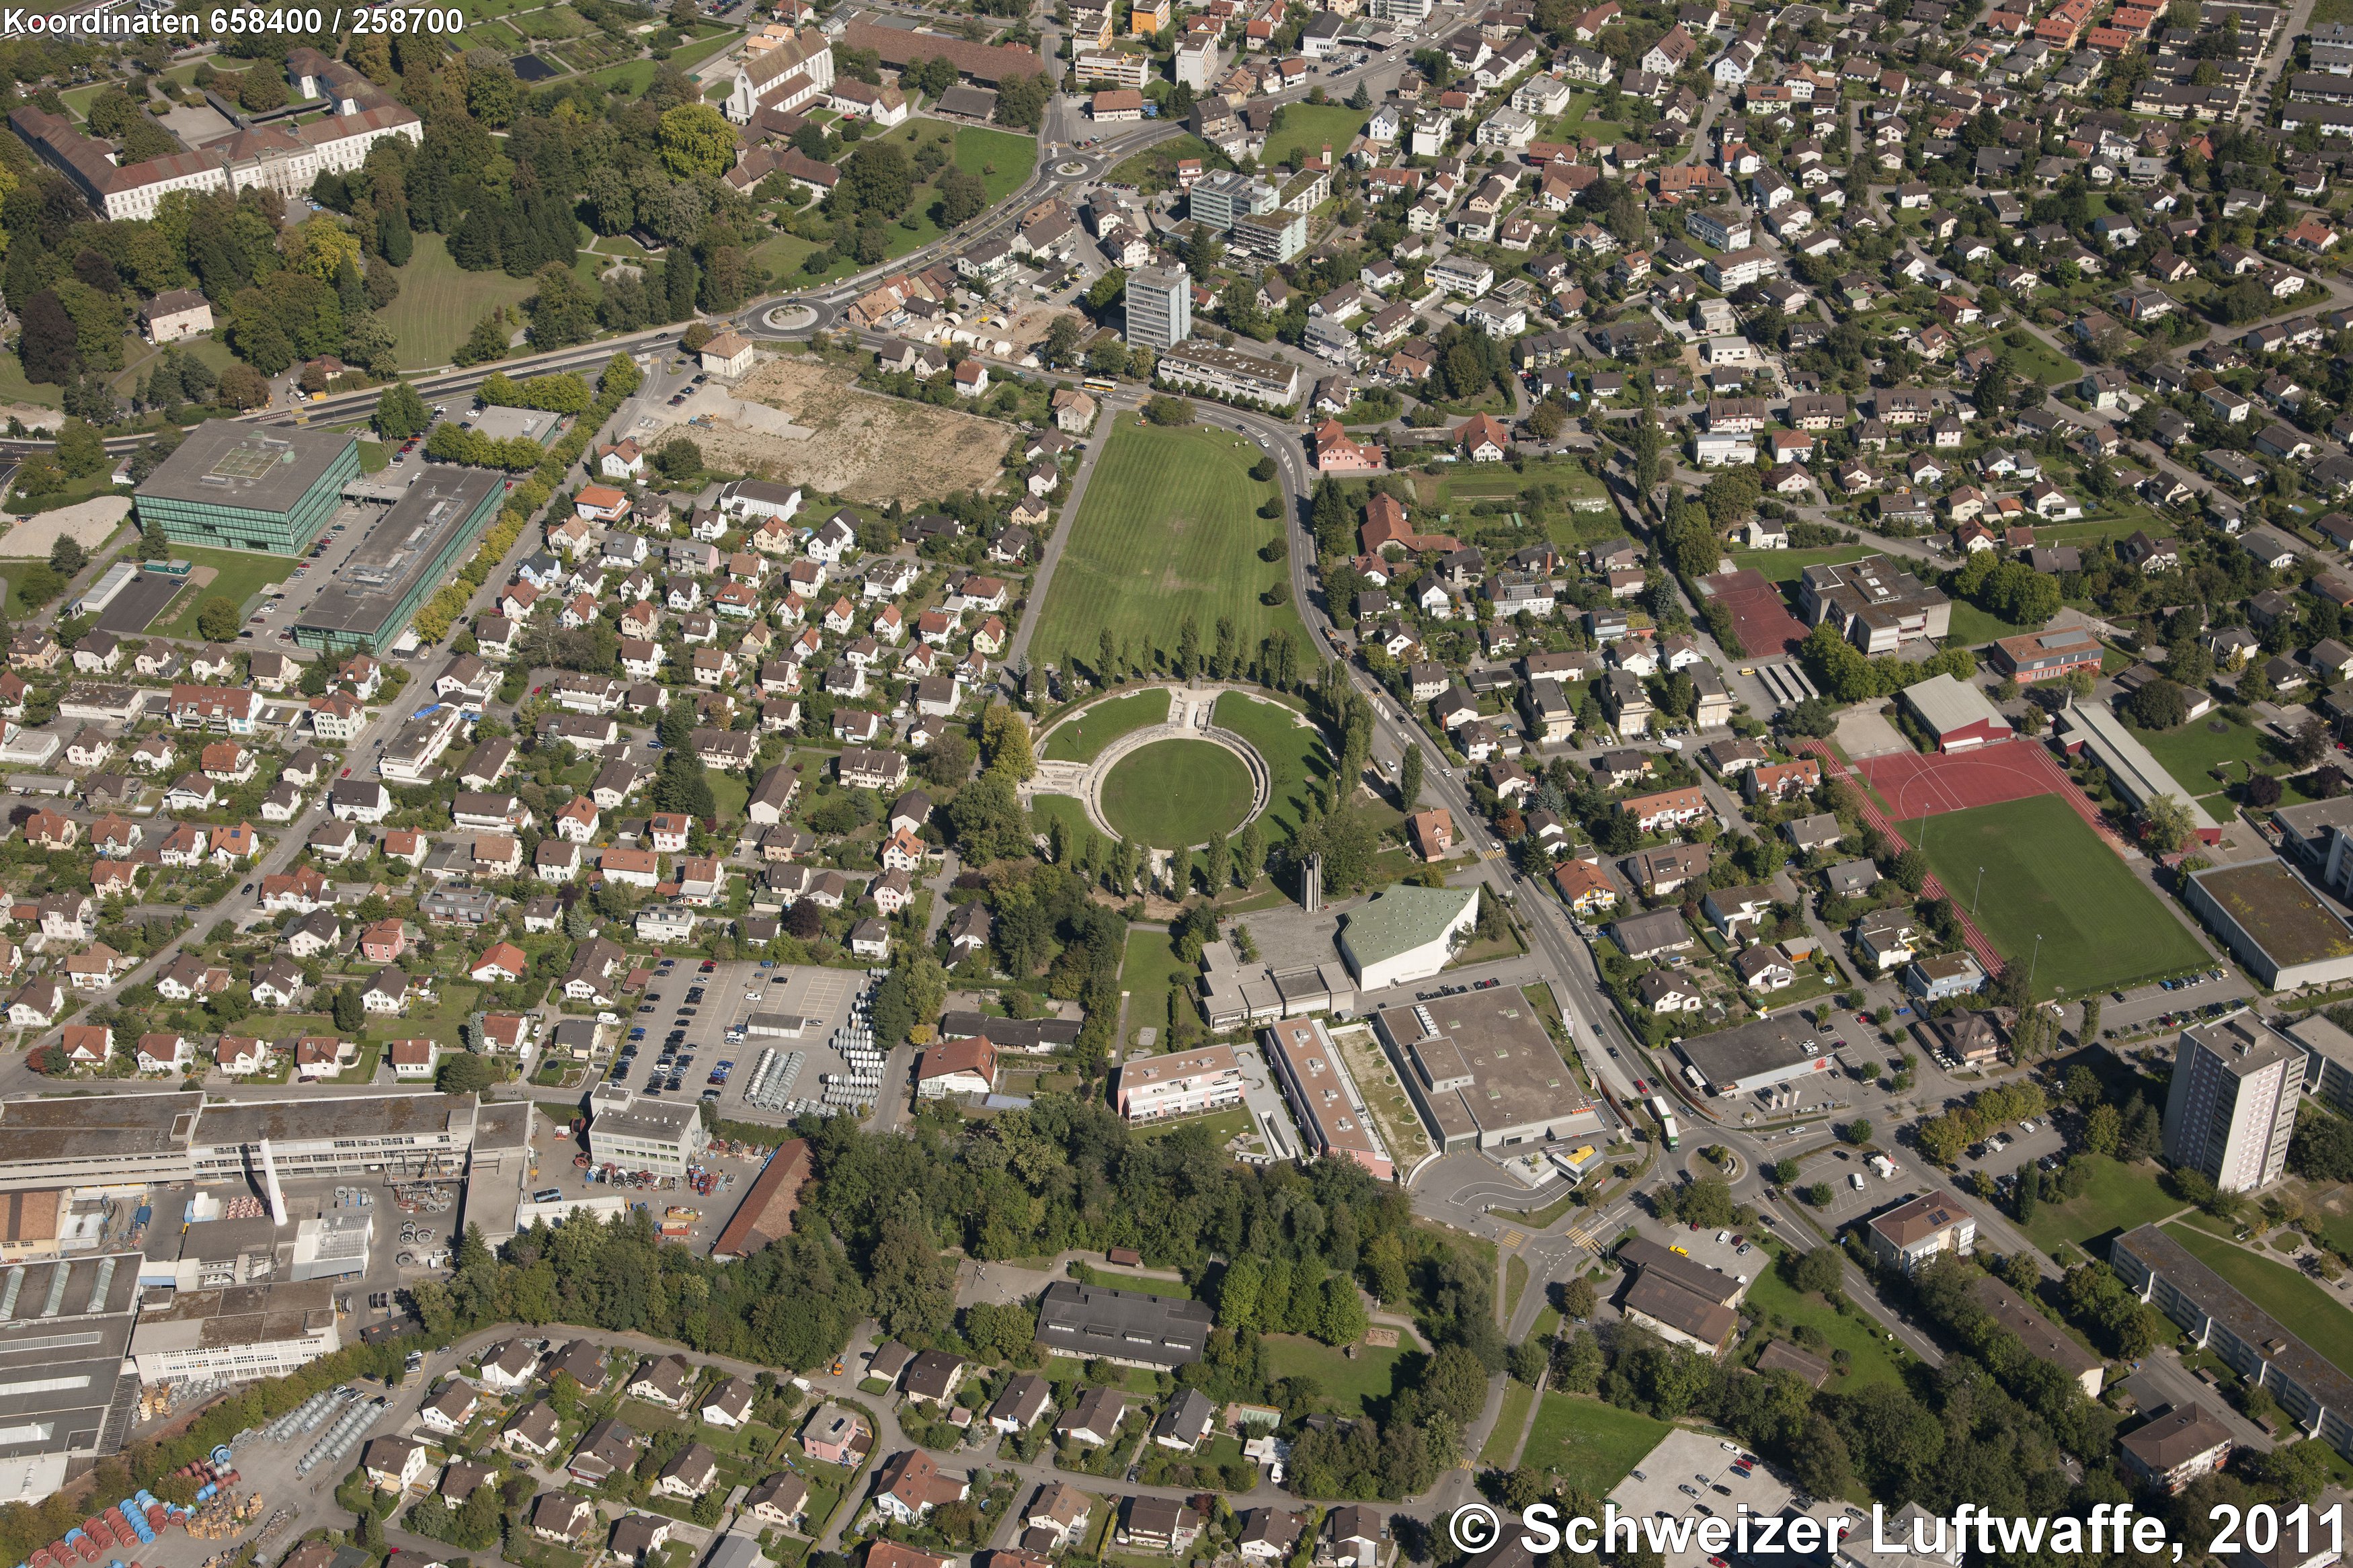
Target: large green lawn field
1149, 975
1870, 1358
1346, 1381
2118, 1197
1295, 753
1172, 793
1588, 1444
2310, 1312
1309, 128
1788, 565
2049, 876
1971, 626
1169, 529
2192, 752
238, 575
1082, 737
440, 301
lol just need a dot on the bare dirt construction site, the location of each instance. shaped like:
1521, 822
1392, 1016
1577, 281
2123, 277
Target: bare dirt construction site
88, 523
834, 438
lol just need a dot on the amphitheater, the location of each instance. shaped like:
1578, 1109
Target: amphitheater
1191, 711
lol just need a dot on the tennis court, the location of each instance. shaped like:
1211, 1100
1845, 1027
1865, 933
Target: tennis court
1760, 617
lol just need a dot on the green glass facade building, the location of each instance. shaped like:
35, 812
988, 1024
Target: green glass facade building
402, 559
248, 487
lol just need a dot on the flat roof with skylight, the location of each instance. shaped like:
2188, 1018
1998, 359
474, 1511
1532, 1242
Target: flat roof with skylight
402, 557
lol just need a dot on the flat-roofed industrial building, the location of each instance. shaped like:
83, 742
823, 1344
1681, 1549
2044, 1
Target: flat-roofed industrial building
1483, 1072
242, 487
1751, 1057
65, 1332
402, 559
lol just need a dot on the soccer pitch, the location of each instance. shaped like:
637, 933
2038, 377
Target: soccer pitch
2048, 874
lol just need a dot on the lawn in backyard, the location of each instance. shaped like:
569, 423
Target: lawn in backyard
1293, 753
1788, 565
2030, 357
1869, 1357
1309, 128
1082, 737
1589, 1445
1971, 626
1577, 122
2048, 875
2311, 1313
440, 301
2191, 751
1172, 793
2118, 1197
237, 577
1169, 531
1346, 1381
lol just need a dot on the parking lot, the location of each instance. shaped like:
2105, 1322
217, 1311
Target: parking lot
1690, 1476
691, 1009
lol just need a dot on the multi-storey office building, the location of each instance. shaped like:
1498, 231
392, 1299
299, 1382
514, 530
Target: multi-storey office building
236, 486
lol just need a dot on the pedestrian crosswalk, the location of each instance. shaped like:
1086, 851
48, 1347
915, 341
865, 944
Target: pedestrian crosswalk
1513, 1238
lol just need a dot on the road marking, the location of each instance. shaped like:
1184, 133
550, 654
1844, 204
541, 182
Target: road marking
1513, 1238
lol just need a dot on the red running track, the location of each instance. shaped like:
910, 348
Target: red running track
1916, 785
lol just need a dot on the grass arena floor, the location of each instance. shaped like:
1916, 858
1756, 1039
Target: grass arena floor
1172, 793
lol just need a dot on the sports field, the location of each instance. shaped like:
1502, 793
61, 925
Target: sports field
1169, 528
1081, 739
1172, 793
2047, 874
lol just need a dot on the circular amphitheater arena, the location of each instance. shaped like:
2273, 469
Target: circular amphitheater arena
1156, 769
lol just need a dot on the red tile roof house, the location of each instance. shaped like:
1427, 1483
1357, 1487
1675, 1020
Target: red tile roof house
957, 1067
909, 1486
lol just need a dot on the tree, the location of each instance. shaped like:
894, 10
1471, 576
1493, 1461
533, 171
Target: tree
963, 197
1005, 742
2167, 824
2160, 705
216, 619
696, 139
80, 450
680, 458
47, 344
1409, 778
1857, 1132
242, 386
400, 412
67, 557
350, 1012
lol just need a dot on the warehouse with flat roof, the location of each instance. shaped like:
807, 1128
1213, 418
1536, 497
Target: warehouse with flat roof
1483, 1072
244, 486
2133, 770
2272, 923
402, 559
71, 1393
1755, 1056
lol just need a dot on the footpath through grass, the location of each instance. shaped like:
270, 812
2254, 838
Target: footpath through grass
1169, 531
1082, 737
2048, 875
2310, 1312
